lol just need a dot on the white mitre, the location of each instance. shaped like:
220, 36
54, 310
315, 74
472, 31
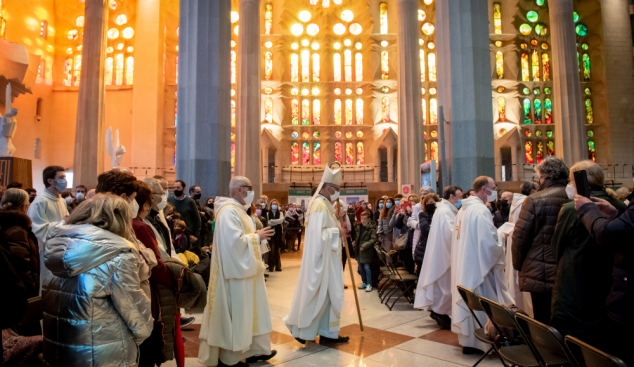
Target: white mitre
330, 176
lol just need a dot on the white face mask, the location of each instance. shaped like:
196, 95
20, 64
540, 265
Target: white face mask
493, 196
335, 196
571, 191
163, 203
248, 199
79, 196
68, 200
134, 207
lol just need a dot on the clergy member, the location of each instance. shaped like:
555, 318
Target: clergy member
477, 262
237, 321
433, 292
318, 299
48, 208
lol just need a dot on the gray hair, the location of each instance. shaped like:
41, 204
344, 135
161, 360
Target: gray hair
622, 191
553, 169
14, 199
155, 184
594, 172
426, 190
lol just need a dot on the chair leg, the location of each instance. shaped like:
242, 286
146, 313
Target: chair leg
485, 354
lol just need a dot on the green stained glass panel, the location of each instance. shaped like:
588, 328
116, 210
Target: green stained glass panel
586, 67
575, 16
590, 133
548, 113
526, 29
589, 112
532, 16
544, 46
540, 2
581, 29
584, 46
538, 111
316, 135
536, 91
541, 29
549, 134
588, 91
526, 91
547, 90
528, 118
538, 133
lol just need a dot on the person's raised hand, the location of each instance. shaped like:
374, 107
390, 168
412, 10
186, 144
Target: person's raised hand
581, 201
265, 233
606, 208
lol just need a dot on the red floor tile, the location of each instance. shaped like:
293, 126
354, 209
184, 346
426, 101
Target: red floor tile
368, 342
442, 336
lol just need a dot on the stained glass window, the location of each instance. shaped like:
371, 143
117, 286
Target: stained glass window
422, 65
540, 152
358, 66
119, 69
315, 67
336, 62
268, 66
385, 67
348, 104
525, 72
347, 57
537, 106
233, 113
385, 109
305, 66
316, 112
268, 110
108, 71
77, 70
546, 67
316, 153
426, 156
68, 71
499, 64
550, 149
528, 118
337, 112
294, 68
431, 64
129, 70
338, 152
233, 154
497, 18
548, 111
349, 153
586, 67
268, 19
233, 67
305, 112
434, 150
295, 112
424, 111
359, 117
589, 112
305, 153
526, 29
591, 152
360, 153
383, 18
536, 66
528, 147
501, 109
433, 111
581, 29
294, 153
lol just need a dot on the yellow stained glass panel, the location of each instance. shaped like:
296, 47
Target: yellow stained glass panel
348, 112
422, 65
385, 67
431, 63
336, 63
433, 111
268, 110
316, 112
337, 112
315, 67
347, 56
385, 109
383, 18
268, 66
305, 55
359, 105
129, 70
358, 65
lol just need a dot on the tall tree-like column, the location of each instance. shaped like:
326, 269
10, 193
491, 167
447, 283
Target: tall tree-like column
567, 111
411, 149
248, 96
89, 134
203, 150
464, 82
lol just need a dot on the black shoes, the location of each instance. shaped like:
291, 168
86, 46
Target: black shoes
186, 321
278, 269
300, 340
341, 339
256, 359
443, 321
469, 350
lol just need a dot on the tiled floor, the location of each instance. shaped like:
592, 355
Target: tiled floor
402, 337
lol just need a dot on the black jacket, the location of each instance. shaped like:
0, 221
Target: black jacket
21, 243
616, 235
533, 255
424, 224
156, 221
500, 218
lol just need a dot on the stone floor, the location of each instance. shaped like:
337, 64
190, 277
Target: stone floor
401, 337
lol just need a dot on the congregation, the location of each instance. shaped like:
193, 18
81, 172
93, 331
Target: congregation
117, 267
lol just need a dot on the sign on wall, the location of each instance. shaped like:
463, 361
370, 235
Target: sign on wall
406, 189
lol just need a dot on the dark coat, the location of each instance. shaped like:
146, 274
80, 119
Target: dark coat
500, 218
365, 242
21, 243
617, 235
156, 221
533, 256
424, 224
583, 275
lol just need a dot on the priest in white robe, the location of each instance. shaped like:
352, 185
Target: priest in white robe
434, 292
236, 321
48, 208
318, 299
477, 262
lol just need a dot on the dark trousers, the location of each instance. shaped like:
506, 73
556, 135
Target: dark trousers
275, 262
150, 350
542, 306
618, 340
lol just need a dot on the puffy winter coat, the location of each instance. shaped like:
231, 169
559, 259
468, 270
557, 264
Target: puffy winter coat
15, 227
533, 255
95, 313
424, 225
365, 241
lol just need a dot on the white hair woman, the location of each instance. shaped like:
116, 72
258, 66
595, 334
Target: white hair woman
94, 285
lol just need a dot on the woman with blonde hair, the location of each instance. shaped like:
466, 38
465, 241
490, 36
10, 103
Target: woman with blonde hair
94, 285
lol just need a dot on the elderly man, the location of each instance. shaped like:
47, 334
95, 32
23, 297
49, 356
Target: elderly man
237, 321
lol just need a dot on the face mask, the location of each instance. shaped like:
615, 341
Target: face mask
493, 196
430, 209
178, 193
31, 198
380, 205
398, 202
249, 199
389, 205
503, 203
134, 207
274, 207
571, 191
334, 196
458, 204
68, 200
197, 196
178, 231
61, 185
258, 211
79, 196
163, 203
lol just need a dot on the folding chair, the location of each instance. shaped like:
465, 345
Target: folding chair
510, 351
384, 275
545, 341
403, 282
585, 355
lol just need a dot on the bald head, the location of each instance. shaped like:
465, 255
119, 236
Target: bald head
236, 187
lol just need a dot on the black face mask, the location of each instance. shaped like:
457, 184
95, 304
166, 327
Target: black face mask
197, 196
430, 209
31, 199
178, 231
503, 203
178, 193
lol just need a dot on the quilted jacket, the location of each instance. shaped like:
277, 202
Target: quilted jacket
95, 313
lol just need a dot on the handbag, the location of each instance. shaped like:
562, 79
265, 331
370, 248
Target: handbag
400, 243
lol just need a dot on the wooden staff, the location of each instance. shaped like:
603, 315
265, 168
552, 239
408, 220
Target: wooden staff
345, 246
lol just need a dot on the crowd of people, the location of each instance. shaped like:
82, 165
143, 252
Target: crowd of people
126, 257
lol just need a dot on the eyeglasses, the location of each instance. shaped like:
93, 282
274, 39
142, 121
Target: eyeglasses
248, 188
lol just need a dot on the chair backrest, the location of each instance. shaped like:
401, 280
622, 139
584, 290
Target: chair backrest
499, 314
585, 355
470, 298
545, 340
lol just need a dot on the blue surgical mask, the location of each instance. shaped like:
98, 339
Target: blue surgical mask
398, 202
274, 207
458, 204
380, 205
61, 185
389, 205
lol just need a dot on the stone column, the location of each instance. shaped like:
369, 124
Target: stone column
90, 132
411, 152
149, 88
203, 143
568, 110
390, 164
248, 95
265, 165
464, 83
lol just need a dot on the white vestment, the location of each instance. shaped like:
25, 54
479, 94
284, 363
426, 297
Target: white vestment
44, 211
318, 299
434, 284
522, 299
477, 263
236, 321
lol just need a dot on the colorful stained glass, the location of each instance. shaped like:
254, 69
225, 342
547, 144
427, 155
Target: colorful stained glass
294, 68
498, 44
433, 111
294, 153
523, 46
431, 63
385, 68
525, 72
584, 46
502, 131
108, 71
233, 154
338, 152
549, 133
540, 2
268, 19
383, 18
385, 109
315, 67
305, 56
532, 16
591, 151
348, 106
305, 153
501, 109
305, 112
528, 147
545, 67
526, 29
347, 65
77, 70
118, 69
548, 111
537, 106
526, 91
428, 29
355, 29
358, 66
589, 112
349, 153
359, 134
540, 152
541, 29
538, 133
129, 70
338, 134
234, 61
424, 111
547, 90
268, 66
544, 46
294, 112
500, 89
268, 110
534, 42
360, 153
586, 67
359, 108
528, 117
575, 16
422, 65
581, 30
316, 153
587, 91
550, 149
528, 133
497, 18
337, 112
421, 15
537, 91
68, 71
590, 133
434, 150
233, 113
499, 64
336, 62
426, 156
536, 66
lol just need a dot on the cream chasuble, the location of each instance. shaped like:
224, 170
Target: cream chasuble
236, 321
477, 263
318, 299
